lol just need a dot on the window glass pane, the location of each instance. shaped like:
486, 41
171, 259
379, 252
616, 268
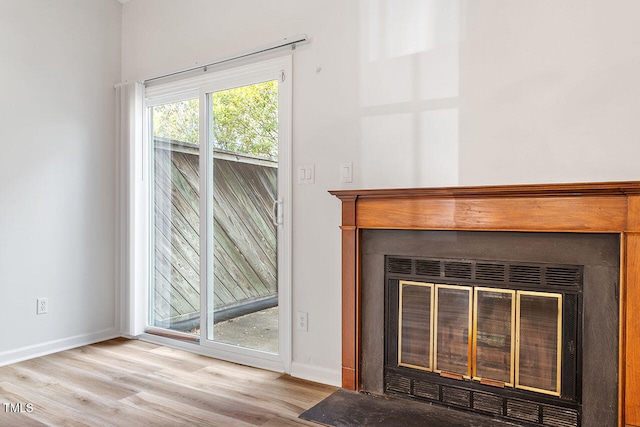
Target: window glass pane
177, 121
540, 324
175, 282
245, 119
415, 330
453, 317
494, 325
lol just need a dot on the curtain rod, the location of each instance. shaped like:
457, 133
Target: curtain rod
287, 41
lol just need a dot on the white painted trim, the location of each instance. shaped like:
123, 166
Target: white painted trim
120, 208
138, 214
131, 207
55, 346
235, 356
316, 374
285, 193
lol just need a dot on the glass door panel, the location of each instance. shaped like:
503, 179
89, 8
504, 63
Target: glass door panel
415, 325
175, 277
538, 353
493, 338
453, 328
243, 293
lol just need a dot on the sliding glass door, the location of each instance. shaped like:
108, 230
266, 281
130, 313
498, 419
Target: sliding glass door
175, 286
243, 295
219, 212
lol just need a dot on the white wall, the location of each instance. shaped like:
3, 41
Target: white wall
550, 92
418, 93
60, 61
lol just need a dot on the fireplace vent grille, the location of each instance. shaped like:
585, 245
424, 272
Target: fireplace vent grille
488, 403
526, 274
400, 265
458, 270
427, 390
456, 396
563, 276
510, 408
491, 272
399, 384
532, 275
426, 267
525, 411
559, 417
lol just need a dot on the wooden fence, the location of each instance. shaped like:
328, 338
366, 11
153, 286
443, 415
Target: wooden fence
245, 263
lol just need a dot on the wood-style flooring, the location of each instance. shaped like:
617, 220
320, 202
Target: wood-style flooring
133, 383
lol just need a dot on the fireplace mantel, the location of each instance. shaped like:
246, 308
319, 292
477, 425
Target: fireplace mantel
611, 207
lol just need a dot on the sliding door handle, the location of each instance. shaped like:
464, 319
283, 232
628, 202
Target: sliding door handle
277, 212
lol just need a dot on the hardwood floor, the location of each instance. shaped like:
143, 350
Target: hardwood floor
132, 383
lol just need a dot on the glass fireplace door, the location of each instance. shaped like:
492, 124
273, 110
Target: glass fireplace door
453, 326
415, 323
499, 337
538, 354
493, 335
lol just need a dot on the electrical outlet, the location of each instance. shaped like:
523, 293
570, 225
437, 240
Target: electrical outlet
43, 306
302, 321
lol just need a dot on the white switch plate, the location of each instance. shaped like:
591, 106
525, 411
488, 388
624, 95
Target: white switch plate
306, 174
346, 172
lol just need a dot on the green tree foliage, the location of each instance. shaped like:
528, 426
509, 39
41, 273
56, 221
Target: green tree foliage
177, 121
245, 120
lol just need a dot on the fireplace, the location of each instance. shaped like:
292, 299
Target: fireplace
499, 323
466, 283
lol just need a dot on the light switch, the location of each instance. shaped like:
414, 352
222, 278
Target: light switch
346, 172
306, 174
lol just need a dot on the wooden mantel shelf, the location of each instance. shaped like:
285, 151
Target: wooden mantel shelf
608, 207
527, 190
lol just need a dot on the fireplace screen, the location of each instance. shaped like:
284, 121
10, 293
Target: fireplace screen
502, 338
499, 337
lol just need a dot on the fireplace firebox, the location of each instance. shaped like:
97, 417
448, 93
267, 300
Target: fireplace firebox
499, 338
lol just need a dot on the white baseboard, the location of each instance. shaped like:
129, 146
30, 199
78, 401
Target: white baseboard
37, 350
319, 375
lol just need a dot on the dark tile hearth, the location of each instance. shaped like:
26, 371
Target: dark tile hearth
347, 408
